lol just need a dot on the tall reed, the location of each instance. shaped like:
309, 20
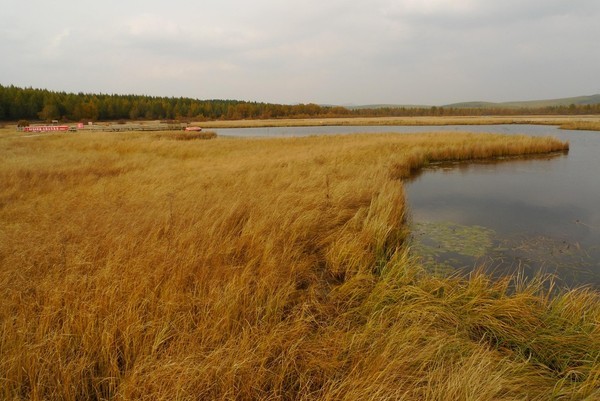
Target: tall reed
587, 125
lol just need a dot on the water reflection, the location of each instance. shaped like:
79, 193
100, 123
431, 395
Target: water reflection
537, 220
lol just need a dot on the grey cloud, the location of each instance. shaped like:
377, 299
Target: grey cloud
339, 51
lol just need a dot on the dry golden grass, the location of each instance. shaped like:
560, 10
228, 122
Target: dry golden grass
589, 125
185, 135
133, 267
409, 121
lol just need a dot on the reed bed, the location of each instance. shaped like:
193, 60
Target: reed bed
133, 267
593, 125
405, 121
186, 135
366, 121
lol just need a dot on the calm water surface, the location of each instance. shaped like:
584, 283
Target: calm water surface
534, 215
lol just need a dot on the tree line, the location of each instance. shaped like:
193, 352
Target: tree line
41, 104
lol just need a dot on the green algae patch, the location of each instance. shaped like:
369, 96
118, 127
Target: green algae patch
445, 246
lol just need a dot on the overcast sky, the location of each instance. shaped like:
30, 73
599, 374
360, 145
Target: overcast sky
430, 52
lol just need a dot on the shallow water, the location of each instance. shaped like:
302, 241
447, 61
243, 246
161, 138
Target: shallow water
533, 215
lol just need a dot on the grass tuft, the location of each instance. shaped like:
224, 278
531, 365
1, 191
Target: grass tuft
186, 136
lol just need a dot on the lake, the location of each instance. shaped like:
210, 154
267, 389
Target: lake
528, 215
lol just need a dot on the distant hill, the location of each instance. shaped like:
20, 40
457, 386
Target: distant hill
531, 104
578, 101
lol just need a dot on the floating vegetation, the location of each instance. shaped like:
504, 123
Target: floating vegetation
444, 247
556, 255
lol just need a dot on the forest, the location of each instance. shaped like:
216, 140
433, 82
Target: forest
44, 105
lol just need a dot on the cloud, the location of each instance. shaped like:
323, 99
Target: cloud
432, 7
338, 51
55, 45
476, 14
153, 26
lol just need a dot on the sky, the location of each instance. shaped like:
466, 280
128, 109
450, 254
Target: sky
343, 52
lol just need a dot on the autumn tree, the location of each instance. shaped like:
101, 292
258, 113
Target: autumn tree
49, 112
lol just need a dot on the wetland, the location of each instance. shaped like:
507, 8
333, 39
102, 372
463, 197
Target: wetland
529, 215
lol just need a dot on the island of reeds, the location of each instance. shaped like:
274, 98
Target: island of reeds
137, 267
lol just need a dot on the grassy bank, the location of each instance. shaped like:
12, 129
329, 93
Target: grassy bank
592, 125
186, 135
136, 267
566, 121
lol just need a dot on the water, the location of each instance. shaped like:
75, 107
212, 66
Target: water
279, 132
533, 215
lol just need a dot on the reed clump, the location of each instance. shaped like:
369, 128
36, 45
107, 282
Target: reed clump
133, 267
593, 125
186, 135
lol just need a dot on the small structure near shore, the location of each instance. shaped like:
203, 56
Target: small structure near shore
46, 128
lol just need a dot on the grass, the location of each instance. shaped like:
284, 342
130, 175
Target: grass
133, 267
408, 121
593, 125
186, 135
